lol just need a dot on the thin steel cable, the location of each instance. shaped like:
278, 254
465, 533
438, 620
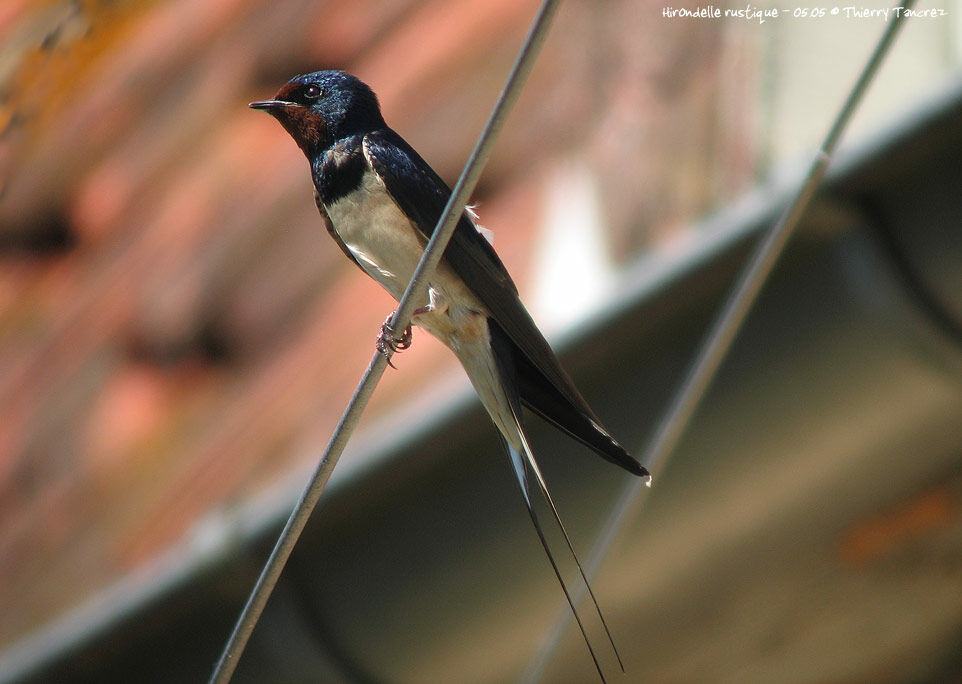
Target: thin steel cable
719, 340
415, 292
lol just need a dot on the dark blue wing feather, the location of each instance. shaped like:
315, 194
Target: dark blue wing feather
543, 384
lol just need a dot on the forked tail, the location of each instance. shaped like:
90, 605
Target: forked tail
499, 391
522, 459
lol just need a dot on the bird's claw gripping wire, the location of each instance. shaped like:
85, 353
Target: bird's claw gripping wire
389, 342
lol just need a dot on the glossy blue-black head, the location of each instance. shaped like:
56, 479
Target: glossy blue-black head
320, 108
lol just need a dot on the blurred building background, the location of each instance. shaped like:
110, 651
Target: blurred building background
178, 335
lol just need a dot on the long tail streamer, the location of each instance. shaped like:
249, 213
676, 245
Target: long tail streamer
522, 460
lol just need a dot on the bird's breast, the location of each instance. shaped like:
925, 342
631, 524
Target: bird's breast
388, 246
378, 234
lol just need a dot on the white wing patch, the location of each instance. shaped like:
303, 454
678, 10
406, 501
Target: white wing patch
361, 256
473, 217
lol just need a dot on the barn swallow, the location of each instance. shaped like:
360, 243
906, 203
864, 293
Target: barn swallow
380, 202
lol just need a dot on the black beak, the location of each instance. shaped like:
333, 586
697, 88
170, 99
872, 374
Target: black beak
269, 105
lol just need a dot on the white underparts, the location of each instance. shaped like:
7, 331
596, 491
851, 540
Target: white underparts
388, 247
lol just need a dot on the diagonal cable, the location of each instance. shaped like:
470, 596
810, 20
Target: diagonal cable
719, 339
415, 292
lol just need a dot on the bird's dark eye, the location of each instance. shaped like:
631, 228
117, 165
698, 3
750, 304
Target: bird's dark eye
312, 92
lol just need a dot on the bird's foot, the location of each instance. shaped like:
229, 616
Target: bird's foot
389, 342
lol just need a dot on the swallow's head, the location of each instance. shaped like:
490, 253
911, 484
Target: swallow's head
320, 108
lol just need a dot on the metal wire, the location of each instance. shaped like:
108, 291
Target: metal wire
415, 292
719, 339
